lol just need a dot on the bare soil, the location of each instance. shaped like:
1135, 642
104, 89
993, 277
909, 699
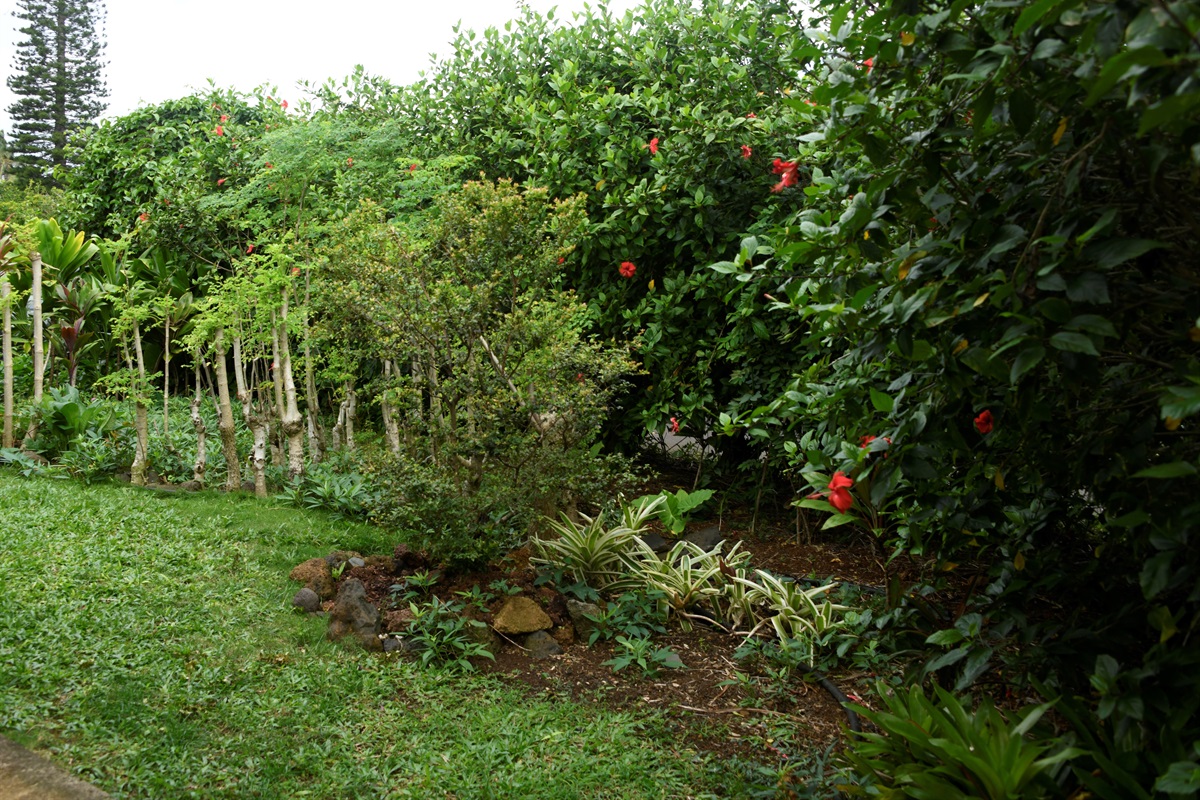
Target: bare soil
709, 705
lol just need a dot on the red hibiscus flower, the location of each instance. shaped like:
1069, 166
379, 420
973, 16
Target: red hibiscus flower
752, 115
224, 118
249, 249
349, 162
295, 271
653, 146
983, 423
220, 181
283, 105
628, 268
747, 151
839, 492
412, 167
561, 259
144, 217
788, 172
869, 64
866, 440
219, 131
270, 165
674, 425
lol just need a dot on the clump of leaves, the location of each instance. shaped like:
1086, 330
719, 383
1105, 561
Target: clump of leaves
644, 654
636, 615
938, 748
441, 632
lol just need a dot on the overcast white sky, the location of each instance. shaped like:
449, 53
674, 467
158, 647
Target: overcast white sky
158, 49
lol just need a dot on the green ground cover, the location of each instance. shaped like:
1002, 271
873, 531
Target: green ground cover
146, 642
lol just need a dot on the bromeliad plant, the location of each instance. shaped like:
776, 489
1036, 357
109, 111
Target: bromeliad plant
937, 748
793, 610
594, 553
688, 576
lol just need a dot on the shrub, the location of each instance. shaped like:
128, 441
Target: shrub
941, 749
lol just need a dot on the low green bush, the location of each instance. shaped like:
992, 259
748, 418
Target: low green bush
937, 748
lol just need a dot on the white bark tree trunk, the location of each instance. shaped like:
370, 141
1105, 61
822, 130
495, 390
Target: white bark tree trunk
390, 429
233, 469
258, 425
312, 400
291, 421
5, 293
141, 455
166, 380
36, 297
201, 464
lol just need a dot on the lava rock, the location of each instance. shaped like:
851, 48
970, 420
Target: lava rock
521, 615
406, 558
707, 537
580, 611
307, 601
316, 575
339, 557
655, 542
542, 645
353, 614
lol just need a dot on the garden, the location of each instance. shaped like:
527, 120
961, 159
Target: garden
727, 399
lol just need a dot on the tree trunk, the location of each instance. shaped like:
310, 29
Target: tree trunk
292, 422
5, 293
137, 472
260, 427
36, 297
312, 400
233, 479
351, 409
239, 376
201, 464
166, 381
390, 429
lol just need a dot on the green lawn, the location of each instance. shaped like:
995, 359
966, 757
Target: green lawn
147, 644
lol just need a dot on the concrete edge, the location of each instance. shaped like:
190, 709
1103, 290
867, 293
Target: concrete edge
24, 775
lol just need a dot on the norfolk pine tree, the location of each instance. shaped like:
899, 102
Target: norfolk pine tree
57, 78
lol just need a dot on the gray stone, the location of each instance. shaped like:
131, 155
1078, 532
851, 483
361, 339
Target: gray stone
357, 562
580, 613
339, 557
655, 542
397, 644
354, 615
542, 645
27, 776
521, 615
191, 486
307, 600
707, 537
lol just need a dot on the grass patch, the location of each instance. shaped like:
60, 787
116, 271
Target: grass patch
147, 644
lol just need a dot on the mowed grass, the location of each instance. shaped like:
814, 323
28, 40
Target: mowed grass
147, 644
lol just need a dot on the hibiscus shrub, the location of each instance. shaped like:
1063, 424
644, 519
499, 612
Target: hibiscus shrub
989, 263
